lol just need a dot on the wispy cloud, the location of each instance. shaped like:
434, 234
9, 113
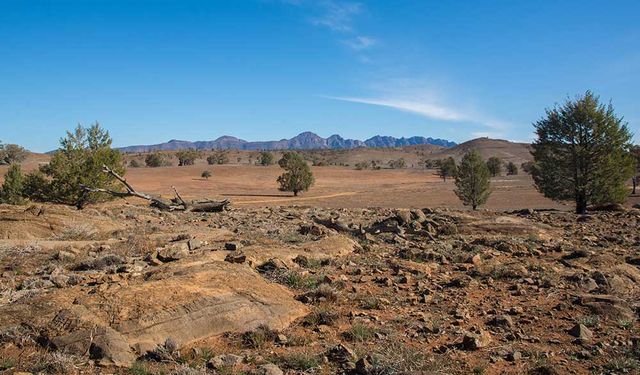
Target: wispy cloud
360, 43
337, 15
424, 109
428, 104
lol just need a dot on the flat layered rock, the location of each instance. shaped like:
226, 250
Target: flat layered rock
185, 301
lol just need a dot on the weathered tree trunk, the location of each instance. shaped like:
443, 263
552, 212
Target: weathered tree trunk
581, 203
176, 204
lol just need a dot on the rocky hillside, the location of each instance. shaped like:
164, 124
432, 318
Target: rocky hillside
304, 290
303, 141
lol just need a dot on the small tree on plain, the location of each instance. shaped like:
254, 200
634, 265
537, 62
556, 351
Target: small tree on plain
187, 157
397, 164
495, 166
155, 160
297, 176
266, 158
206, 175
11, 153
218, 157
583, 153
134, 163
11, 191
472, 180
447, 168
512, 169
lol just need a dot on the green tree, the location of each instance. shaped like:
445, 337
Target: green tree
582, 152
11, 191
218, 157
36, 186
297, 176
472, 180
495, 166
79, 162
11, 153
447, 168
205, 175
362, 165
266, 158
187, 157
155, 160
512, 169
397, 164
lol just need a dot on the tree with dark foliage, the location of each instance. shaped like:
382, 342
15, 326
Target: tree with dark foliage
583, 153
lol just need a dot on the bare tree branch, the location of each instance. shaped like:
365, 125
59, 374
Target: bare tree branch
180, 204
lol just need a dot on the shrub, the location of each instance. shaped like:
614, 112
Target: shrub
512, 169
397, 164
472, 180
359, 332
297, 176
36, 186
362, 165
447, 168
298, 361
494, 164
155, 160
205, 175
259, 338
12, 188
266, 158
11, 153
78, 162
187, 157
218, 157
134, 163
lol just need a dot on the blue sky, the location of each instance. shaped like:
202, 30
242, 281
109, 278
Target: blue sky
150, 71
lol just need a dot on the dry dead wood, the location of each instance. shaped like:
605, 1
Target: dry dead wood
175, 204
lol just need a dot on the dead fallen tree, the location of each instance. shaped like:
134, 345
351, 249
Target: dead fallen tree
175, 204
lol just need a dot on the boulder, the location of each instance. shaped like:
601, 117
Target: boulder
173, 252
236, 257
341, 354
269, 369
581, 332
475, 341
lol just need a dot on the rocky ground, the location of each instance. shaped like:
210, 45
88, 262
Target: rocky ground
127, 289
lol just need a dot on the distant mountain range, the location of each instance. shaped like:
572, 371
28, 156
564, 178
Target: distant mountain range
303, 141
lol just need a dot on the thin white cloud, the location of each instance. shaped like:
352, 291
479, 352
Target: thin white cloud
424, 109
360, 43
434, 110
337, 15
